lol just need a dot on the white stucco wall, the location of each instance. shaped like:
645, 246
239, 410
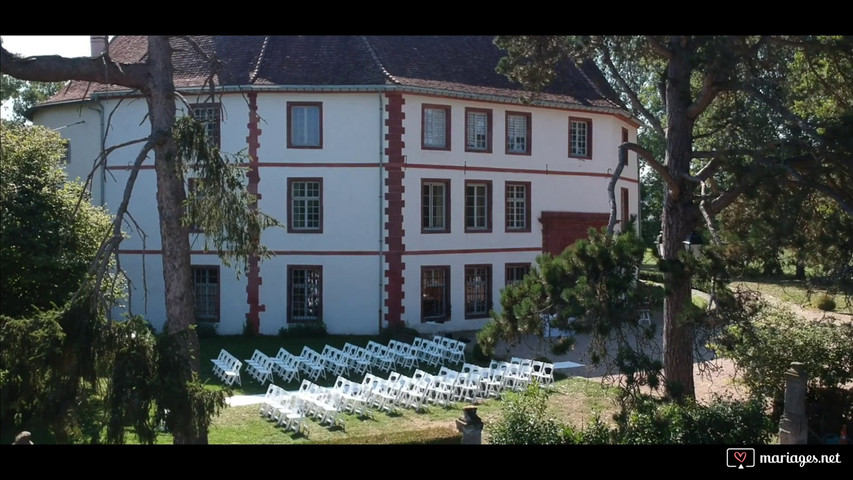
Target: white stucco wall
353, 214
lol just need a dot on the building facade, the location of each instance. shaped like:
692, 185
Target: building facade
413, 182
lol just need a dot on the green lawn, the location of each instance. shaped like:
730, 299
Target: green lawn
798, 292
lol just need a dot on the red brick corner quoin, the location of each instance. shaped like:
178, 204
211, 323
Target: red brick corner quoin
394, 197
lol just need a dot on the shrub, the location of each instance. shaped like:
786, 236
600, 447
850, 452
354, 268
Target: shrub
302, 330
207, 329
723, 421
522, 420
824, 302
765, 347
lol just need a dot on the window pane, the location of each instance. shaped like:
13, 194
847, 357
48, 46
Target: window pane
433, 206
579, 138
434, 294
476, 206
206, 289
477, 131
516, 206
305, 295
305, 125
517, 133
478, 291
305, 205
435, 127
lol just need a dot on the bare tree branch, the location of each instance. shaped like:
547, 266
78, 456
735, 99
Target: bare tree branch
706, 95
828, 191
659, 47
53, 68
674, 189
611, 186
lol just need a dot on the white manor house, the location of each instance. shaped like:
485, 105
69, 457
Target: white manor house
413, 181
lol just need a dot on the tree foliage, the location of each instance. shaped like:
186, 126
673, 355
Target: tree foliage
178, 389
24, 95
764, 348
50, 230
731, 110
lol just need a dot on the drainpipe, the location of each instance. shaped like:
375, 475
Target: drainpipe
102, 177
381, 213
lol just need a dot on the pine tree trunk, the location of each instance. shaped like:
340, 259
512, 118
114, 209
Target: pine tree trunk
175, 243
678, 220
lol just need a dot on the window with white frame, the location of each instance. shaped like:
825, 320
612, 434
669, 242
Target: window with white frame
435, 293
518, 133
580, 137
305, 293
517, 206
478, 130
478, 291
305, 121
478, 206
436, 127
435, 206
208, 114
206, 289
305, 199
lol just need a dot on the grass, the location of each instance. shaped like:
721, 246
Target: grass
798, 292
573, 400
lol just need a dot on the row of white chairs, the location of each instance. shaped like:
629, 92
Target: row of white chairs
260, 367
227, 368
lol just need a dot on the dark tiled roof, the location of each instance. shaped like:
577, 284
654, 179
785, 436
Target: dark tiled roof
462, 65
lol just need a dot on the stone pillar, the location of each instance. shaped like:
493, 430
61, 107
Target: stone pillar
793, 427
471, 426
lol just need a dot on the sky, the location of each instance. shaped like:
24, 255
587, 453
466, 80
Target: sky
27, 45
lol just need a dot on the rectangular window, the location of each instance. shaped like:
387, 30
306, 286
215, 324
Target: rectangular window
435, 293
518, 133
193, 211
206, 289
478, 130
478, 206
435, 206
517, 206
436, 127
515, 272
66, 151
305, 121
209, 115
580, 137
304, 293
478, 291
625, 209
305, 204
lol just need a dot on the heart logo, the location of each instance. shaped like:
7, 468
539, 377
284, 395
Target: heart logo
740, 456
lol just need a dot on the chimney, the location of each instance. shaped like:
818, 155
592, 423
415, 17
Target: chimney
99, 44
